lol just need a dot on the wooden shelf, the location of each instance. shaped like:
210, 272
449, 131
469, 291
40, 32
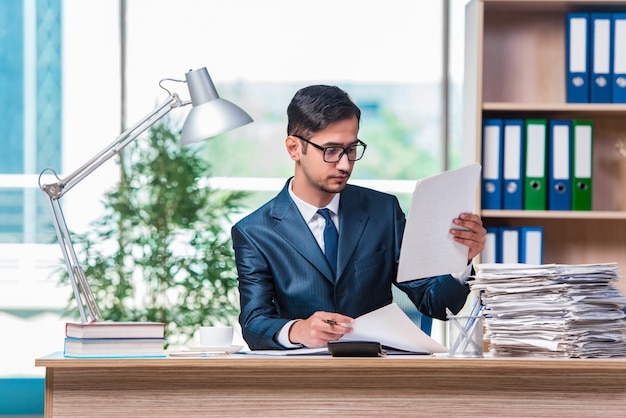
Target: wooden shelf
562, 6
555, 214
574, 108
515, 68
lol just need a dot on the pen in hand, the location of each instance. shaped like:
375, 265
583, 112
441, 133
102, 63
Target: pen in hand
340, 324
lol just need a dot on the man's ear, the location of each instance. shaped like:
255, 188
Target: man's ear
293, 146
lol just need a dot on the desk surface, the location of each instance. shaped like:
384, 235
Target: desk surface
243, 385
323, 361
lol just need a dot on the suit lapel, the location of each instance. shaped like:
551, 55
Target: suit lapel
353, 219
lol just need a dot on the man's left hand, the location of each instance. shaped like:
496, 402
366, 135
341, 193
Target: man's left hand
474, 235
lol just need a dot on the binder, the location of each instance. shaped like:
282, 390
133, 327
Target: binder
512, 173
619, 57
582, 164
490, 251
601, 58
509, 244
577, 68
535, 195
559, 156
531, 245
491, 188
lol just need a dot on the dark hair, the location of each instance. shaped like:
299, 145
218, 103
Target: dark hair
313, 108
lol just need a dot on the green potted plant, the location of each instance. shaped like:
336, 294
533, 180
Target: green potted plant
162, 251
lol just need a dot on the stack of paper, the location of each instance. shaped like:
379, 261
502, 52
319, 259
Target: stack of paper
552, 310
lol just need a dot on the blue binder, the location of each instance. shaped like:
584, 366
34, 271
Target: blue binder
512, 165
559, 170
531, 245
492, 246
601, 61
491, 188
509, 244
577, 57
619, 57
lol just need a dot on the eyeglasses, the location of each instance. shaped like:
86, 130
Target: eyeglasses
335, 153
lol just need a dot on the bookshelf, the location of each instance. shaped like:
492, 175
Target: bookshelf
515, 68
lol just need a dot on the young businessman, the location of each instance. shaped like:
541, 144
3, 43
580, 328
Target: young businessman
291, 294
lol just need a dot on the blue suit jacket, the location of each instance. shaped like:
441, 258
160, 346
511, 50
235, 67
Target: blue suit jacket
283, 274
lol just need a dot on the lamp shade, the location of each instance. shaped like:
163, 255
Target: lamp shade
210, 114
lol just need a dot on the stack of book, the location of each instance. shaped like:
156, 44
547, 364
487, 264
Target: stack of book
114, 339
552, 310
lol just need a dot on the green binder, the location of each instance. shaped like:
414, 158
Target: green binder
582, 164
535, 181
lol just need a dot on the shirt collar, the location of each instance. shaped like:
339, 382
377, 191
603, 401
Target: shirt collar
307, 210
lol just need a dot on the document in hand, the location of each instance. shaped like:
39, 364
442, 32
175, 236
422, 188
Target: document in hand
391, 327
428, 248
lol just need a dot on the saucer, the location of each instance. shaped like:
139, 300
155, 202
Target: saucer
206, 349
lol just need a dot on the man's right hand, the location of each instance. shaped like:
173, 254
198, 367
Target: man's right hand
320, 328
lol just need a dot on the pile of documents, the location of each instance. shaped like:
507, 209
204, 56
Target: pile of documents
552, 310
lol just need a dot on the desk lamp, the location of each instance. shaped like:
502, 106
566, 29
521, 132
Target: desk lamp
209, 116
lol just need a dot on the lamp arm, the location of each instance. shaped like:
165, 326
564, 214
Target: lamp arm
76, 275
54, 192
62, 186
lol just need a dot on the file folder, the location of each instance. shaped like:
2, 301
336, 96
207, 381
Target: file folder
577, 38
582, 164
531, 245
559, 156
490, 251
513, 161
491, 189
601, 58
619, 57
535, 195
509, 244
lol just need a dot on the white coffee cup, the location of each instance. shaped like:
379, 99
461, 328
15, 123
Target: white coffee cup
217, 336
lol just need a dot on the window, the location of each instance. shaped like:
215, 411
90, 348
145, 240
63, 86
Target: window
62, 103
260, 52
30, 50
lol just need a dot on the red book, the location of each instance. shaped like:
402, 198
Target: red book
115, 330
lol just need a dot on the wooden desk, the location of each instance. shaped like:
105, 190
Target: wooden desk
245, 386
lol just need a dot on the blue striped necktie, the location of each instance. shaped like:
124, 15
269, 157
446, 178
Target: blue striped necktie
330, 240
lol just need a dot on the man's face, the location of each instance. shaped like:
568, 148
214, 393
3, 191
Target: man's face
316, 181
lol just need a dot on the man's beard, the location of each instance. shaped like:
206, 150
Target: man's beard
339, 187
339, 190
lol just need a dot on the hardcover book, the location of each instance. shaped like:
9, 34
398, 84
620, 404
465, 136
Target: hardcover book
114, 347
115, 330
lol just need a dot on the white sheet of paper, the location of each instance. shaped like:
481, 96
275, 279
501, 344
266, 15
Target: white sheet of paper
293, 352
390, 326
428, 248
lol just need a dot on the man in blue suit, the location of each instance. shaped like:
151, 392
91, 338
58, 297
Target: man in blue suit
291, 294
